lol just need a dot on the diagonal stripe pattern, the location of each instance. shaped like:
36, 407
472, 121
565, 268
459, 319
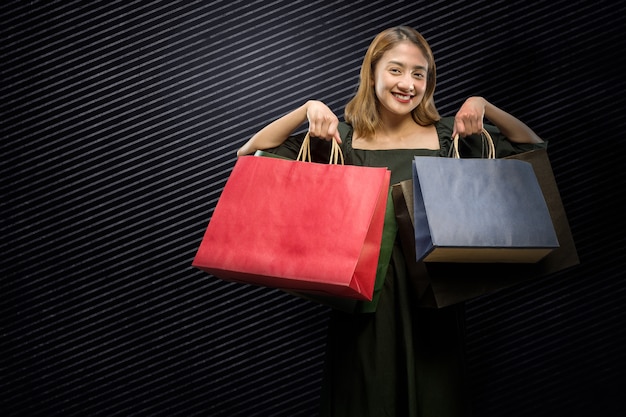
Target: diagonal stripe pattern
119, 123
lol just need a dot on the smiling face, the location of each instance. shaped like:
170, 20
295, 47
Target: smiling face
400, 78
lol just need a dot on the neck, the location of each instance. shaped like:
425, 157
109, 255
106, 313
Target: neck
393, 125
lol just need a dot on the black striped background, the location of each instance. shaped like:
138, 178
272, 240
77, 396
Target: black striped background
120, 121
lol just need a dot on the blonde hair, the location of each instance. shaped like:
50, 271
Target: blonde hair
362, 110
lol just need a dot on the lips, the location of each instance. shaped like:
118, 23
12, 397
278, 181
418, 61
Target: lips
403, 97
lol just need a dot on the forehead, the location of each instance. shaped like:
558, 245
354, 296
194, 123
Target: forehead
405, 53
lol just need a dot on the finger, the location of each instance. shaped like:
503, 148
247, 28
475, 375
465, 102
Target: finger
326, 129
471, 125
333, 133
459, 128
311, 126
477, 125
320, 128
337, 137
314, 129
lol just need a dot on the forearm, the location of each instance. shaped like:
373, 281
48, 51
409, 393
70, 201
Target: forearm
275, 133
513, 128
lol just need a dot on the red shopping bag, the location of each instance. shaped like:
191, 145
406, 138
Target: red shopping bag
298, 225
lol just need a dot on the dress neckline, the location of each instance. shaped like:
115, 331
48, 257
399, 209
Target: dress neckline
443, 133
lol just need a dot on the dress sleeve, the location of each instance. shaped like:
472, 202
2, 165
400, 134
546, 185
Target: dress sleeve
290, 147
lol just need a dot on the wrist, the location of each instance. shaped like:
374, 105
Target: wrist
304, 111
479, 100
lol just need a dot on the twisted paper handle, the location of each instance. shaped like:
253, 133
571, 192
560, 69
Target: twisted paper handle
491, 149
305, 151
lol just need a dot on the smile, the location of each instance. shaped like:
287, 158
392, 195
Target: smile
403, 97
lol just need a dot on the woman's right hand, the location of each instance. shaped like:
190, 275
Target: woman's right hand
322, 121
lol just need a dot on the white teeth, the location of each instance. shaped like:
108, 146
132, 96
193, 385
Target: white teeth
401, 97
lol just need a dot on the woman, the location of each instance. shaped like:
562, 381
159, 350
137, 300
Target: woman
398, 360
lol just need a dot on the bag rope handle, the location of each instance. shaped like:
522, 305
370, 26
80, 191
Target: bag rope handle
305, 151
491, 149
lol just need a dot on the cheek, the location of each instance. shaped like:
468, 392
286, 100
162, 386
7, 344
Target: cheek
379, 87
378, 90
421, 87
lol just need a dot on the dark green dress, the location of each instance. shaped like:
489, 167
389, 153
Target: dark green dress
401, 361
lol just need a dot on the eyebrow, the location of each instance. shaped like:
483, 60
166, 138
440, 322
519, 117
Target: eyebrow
421, 67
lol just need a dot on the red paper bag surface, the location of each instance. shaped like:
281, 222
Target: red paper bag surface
298, 226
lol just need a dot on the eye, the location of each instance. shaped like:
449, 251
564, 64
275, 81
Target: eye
419, 75
394, 70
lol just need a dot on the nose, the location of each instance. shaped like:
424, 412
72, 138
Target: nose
406, 85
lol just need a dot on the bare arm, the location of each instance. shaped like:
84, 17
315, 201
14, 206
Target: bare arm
469, 120
322, 124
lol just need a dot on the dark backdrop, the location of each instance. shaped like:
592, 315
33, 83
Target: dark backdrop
120, 121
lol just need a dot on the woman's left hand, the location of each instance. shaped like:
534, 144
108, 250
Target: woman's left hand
469, 119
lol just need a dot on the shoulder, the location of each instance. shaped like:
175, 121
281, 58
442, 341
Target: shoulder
444, 127
345, 130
